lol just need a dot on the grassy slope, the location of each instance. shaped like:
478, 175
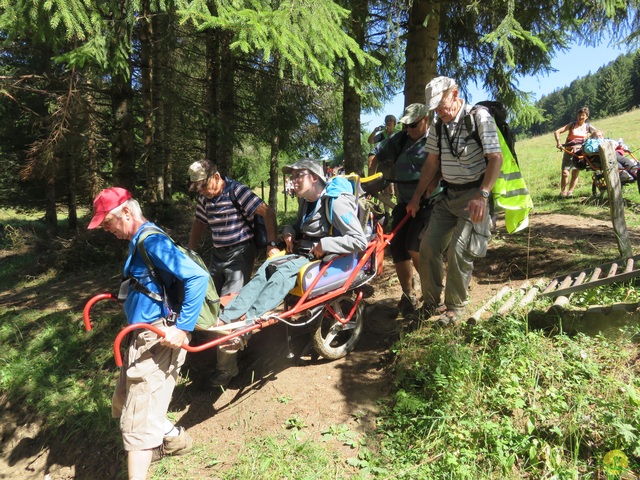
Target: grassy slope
500, 401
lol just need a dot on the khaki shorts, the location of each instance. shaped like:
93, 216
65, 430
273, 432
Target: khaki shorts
145, 385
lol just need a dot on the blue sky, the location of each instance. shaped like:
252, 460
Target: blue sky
576, 62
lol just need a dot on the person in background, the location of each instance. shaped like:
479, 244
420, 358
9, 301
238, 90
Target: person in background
460, 222
405, 151
378, 135
579, 131
151, 363
383, 131
234, 252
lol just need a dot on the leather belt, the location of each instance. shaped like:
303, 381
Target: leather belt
456, 187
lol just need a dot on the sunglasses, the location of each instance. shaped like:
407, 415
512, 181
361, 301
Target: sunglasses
415, 124
296, 176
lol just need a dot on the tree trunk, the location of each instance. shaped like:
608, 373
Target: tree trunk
227, 104
273, 172
422, 49
145, 35
351, 102
122, 103
212, 74
72, 187
92, 134
163, 41
122, 138
50, 215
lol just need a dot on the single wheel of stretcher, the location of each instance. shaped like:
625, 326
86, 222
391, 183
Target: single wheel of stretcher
332, 339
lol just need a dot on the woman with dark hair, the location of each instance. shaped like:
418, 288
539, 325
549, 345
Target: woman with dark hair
579, 131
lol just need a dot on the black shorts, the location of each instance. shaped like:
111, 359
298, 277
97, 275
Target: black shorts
408, 237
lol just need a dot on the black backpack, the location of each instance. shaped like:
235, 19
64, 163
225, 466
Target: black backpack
499, 113
258, 227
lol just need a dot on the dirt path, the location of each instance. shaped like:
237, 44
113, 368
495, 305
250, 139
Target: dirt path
274, 388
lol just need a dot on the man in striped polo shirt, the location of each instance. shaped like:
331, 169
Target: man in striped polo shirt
233, 252
460, 220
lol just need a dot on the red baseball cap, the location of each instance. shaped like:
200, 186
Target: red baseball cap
107, 200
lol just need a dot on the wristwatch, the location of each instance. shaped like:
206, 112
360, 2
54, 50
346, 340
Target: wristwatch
484, 193
273, 244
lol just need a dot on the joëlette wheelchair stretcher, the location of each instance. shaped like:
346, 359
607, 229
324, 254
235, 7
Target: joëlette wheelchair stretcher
327, 296
593, 163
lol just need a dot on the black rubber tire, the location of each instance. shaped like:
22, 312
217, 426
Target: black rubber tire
331, 339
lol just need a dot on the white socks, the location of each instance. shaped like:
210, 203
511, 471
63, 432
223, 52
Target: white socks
170, 429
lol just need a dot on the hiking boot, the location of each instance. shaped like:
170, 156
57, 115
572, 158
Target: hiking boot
626, 177
178, 445
407, 304
448, 319
157, 453
227, 367
221, 378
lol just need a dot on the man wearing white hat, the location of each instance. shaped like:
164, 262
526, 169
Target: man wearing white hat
460, 220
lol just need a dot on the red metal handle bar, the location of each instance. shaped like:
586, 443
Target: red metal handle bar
188, 348
389, 236
86, 313
347, 319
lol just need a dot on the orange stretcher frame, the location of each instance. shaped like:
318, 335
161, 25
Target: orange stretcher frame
374, 251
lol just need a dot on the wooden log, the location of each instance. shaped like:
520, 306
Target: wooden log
629, 266
473, 319
596, 274
616, 202
552, 286
528, 298
511, 301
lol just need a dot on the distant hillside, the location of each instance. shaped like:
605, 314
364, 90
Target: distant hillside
613, 89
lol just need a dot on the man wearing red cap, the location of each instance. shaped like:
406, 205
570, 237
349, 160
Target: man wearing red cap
151, 363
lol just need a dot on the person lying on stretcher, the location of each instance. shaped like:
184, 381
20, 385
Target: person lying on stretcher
627, 164
327, 223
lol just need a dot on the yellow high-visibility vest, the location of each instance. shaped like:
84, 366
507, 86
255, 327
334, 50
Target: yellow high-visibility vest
510, 193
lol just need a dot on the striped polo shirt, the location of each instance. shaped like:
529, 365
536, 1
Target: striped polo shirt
462, 160
225, 221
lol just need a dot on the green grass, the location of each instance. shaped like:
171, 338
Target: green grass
500, 401
51, 367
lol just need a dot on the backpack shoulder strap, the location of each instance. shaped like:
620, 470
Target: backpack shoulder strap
147, 261
401, 144
439, 135
471, 123
143, 251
